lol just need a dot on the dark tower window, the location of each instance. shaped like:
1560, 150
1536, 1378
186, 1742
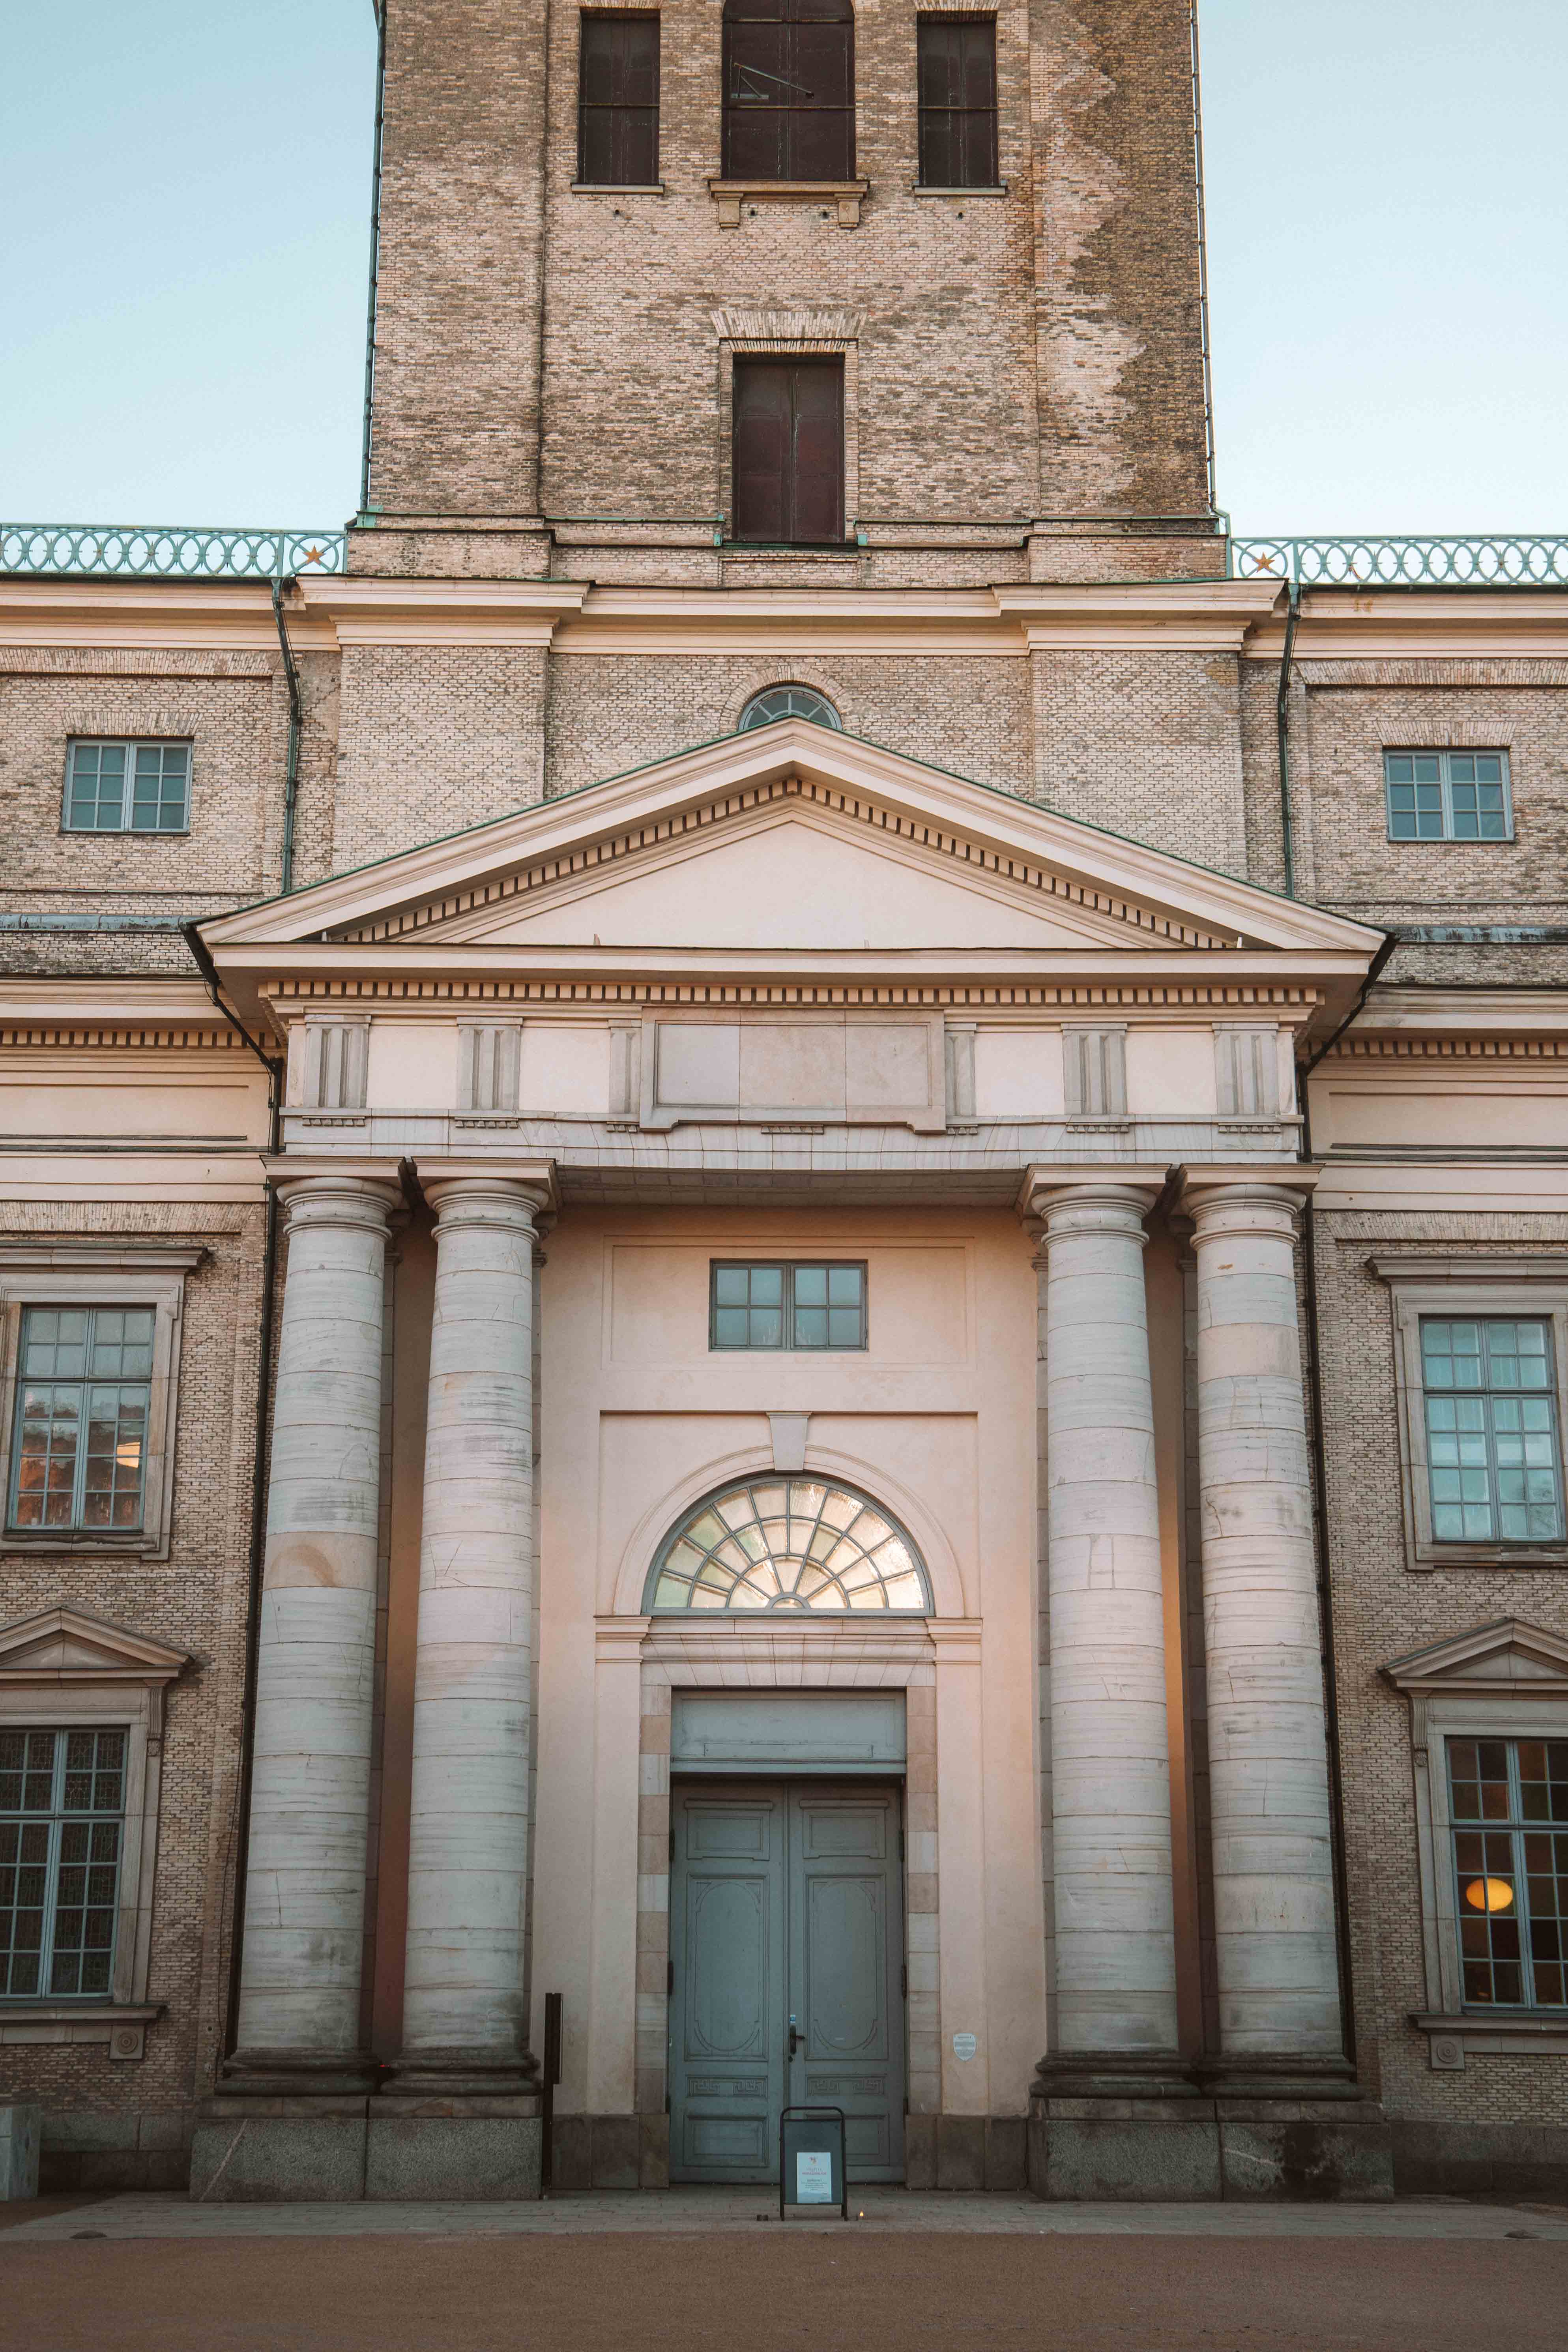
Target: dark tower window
789, 451
789, 89
957, 67
618, 101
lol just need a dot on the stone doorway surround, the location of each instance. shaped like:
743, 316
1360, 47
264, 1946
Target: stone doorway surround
935, 1661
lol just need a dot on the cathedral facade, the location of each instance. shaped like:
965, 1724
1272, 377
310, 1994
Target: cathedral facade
784, 1204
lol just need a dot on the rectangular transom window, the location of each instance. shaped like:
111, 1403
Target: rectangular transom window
779, 1305
956, 64
125, 787
83, 1395
1491, 1431
1448, 796
618, 101
789, 451
62, 1805
1511, 1860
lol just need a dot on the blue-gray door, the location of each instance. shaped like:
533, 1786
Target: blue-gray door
786, 1952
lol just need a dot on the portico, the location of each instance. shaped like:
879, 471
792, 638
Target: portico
597, 1025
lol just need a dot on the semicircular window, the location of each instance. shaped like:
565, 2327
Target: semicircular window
791, 1544
789, 702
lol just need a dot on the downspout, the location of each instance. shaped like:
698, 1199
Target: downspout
274, 1069
1282, 723
1203, 263
1320, 1523
291, 763
380, 7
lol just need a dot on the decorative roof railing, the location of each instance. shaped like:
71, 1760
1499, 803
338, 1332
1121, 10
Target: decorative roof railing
1463, 560
167, 550
193, 551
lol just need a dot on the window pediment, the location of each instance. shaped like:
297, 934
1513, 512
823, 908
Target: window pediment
1507, 1657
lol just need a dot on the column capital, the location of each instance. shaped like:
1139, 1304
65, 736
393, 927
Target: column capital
1097, 1208
518, 1203
339, 1201
1224, 1211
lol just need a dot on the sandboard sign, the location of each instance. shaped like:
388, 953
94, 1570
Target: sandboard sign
811, 2159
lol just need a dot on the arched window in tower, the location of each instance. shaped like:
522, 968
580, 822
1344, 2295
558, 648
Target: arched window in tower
788, 702
789, 1544
789, 89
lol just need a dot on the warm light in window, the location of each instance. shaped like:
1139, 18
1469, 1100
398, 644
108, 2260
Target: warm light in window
1490, 1894
128, 1454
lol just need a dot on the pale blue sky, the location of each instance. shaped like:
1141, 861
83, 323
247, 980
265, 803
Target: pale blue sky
184, 185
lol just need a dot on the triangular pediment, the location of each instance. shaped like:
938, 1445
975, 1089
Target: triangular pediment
791, 836
63, 1645
1509, 1655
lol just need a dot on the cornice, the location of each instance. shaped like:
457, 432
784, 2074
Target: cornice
1392, 1010
328, 611
1411, 624
364, 612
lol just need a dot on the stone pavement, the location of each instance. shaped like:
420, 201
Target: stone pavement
685, 2212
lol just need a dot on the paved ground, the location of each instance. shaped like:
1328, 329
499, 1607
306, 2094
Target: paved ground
731, 2212
876, 2291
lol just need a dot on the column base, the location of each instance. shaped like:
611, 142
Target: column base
1123, 2130
412, 2154
458, 2124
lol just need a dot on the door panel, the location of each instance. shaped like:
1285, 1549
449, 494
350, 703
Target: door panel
727, 1945
786, 1905
846, 1965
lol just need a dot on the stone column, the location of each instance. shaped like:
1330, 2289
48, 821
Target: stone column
1273, 1864
309, 1802
462, 2117
1111, 1814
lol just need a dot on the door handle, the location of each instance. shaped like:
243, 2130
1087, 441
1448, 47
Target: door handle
794, 2040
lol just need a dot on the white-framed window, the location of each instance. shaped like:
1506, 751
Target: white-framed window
1493, 1466
788, 702
84, 1392
89, 1345
81, 1745
1480, 1346
1447, 795
62, 1829
120, 785
1507, 1802
1489, 1751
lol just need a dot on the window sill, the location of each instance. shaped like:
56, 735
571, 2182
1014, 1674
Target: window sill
1450, 2039
1451, 840
125, 832
136, 1545
919, 188
846, 195
1431, 1556
122, 2023
617, 188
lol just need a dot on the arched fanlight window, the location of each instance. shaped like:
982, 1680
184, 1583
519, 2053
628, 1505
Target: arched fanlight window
789, 89
788, 1544
789, 702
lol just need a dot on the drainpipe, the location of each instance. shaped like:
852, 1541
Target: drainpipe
1203, 264
1320, 1517
1282, 721
274, 1069
291, 764
380, 7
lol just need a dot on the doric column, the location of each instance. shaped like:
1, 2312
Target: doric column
463, 2022
310, 1804
1273, 1866
1110, 1811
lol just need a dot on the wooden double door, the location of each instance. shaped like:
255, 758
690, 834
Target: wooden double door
786, 1972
